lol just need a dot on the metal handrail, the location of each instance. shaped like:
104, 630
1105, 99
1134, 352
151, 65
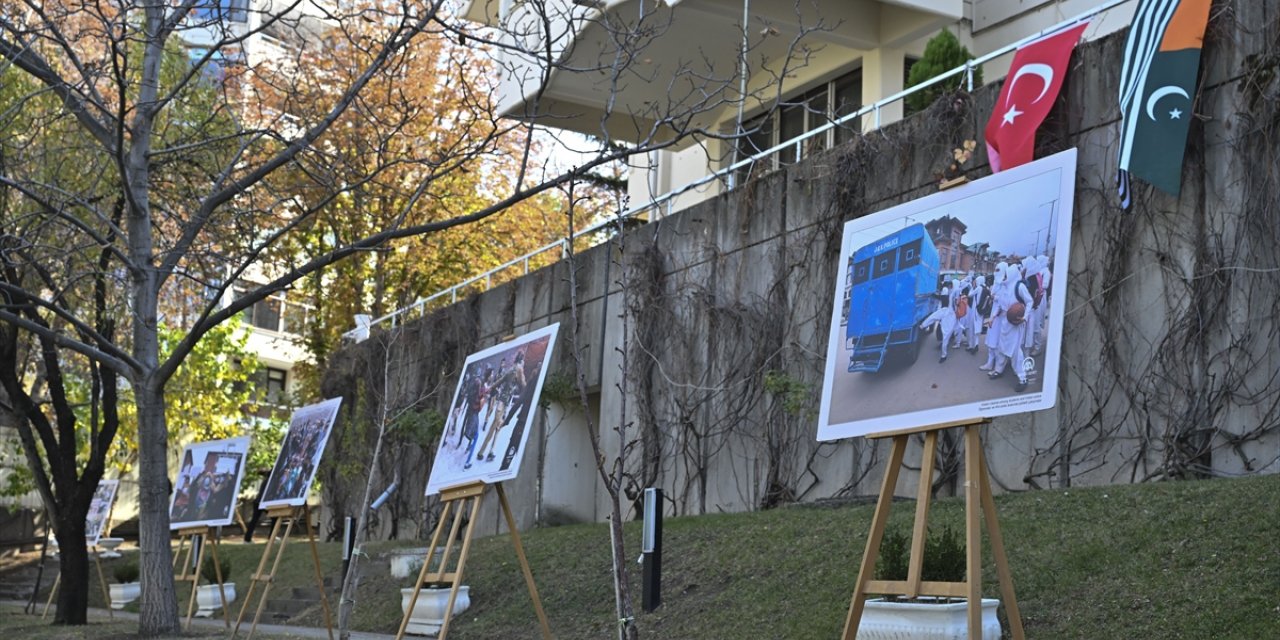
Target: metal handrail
727, 173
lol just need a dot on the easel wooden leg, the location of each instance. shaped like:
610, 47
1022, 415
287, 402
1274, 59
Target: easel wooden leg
315, 557
52, 592
222, 588
426, 563
177, 555
267, 580
102, 580
195, 581
524, 563
997, 550
257, 574
924, 494
973, 527
462, 562
878, 522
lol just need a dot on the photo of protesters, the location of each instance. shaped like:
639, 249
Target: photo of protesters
208, 483
947, 307
95, 523
299, 457
489, 421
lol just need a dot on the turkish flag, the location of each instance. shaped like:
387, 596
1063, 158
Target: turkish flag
1029, 91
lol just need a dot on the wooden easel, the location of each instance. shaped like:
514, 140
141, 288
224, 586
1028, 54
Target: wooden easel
286, 515
189, 572
102, 579
978, 502
458, 496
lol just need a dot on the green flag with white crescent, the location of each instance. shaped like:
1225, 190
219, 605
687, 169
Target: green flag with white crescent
1157, 91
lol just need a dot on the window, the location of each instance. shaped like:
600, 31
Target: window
910, 254
861, 271
275, 313
798, 115
214, 10
885, 263
270, 385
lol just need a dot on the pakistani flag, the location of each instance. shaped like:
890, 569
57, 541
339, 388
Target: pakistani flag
1157, 88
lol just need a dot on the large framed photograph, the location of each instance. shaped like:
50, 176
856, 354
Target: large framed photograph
295, 467
209, 475
492, 412
950, 307
95, 524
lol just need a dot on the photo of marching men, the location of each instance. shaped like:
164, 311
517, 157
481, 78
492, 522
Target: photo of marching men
299, 457
208, 483
95, 523
950, 307
492, 411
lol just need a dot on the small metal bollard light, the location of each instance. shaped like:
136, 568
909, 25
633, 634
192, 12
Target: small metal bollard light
651, 548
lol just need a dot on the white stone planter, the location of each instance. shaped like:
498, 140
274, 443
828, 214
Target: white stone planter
209, 600
428, 613
109, 546
122, 594
406, 562
940, 620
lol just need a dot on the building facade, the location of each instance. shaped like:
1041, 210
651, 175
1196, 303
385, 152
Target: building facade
805, 65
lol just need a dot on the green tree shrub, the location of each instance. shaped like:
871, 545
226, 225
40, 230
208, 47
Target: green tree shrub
942, 54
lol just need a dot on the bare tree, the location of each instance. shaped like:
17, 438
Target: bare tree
159, 159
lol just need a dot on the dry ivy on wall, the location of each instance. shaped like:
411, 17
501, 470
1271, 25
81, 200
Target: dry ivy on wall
426, 357
1183, 294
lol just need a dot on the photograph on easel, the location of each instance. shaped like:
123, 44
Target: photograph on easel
209, 475
950, 307
491, 414
299, 458
99, 510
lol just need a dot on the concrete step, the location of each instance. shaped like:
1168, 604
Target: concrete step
289, 607
312, 593
16, 591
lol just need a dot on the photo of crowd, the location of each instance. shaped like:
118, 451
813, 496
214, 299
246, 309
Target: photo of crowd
208, 483
492, 412
950, 307
295, 467
99, 510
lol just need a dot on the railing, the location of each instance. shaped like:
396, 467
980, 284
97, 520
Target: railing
727, 174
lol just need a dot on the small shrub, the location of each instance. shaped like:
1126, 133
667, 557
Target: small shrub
207, 571
895, 555
944, 557
126, 572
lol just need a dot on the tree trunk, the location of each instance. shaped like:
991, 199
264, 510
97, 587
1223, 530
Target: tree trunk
159, 601
73, 571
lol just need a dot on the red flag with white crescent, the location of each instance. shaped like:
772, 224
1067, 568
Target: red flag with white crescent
1029, 91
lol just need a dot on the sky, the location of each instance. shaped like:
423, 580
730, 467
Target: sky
1014, 219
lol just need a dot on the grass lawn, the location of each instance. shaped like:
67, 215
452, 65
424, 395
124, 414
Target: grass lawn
1171, 560
15, 624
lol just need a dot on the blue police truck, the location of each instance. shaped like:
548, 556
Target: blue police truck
891, 291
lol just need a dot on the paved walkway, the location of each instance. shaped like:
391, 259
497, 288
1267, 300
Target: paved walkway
273, 629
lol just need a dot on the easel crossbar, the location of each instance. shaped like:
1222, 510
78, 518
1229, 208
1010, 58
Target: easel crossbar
902, 588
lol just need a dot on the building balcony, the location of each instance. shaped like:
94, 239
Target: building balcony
644, 70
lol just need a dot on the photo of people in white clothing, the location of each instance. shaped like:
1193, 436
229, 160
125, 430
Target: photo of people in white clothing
950, 307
